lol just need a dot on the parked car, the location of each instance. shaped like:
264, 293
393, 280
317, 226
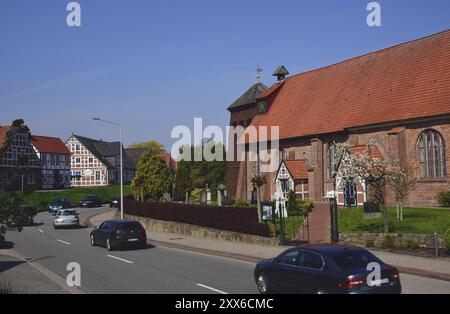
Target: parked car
91, 201
66, 218
325, 269
58, 204
115, 202
119, 233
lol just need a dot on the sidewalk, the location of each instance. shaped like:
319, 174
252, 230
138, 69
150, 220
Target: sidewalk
19, 277
420, 266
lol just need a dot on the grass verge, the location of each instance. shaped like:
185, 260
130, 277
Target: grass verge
416, 221
74, 195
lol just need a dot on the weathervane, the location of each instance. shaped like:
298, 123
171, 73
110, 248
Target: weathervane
259, 70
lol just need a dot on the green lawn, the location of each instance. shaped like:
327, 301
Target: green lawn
416, 220
291, 226
75, 195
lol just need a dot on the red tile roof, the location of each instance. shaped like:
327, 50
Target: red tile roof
4, 129
373, 153
297, 168
403, 82
168, 158
52, 145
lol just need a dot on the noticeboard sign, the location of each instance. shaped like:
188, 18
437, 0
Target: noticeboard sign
267, 211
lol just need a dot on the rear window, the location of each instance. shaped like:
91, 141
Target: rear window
354, 259
68, 213
131, 226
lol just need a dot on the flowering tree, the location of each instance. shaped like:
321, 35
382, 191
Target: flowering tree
375, 172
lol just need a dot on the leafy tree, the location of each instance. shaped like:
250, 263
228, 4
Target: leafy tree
154, 145
20, 169
152, 179
183, 180
193, 174
11, 215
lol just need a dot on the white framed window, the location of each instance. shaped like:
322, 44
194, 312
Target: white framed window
31, 178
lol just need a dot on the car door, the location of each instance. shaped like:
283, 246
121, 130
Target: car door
282, 270
98, 202
101, 233
311, 275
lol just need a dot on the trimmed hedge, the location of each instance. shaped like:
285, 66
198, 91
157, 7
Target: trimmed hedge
444, 198
237, 219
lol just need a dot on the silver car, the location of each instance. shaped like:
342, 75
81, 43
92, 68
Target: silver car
66, 218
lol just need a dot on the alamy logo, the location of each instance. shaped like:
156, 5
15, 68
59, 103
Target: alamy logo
374, 278
209, 145
74, 17
73, 279
374, 17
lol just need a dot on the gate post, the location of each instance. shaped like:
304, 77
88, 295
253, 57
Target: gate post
334, 221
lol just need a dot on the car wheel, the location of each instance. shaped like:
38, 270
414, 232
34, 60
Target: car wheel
108, 245
262, 282
321, 290
92, 240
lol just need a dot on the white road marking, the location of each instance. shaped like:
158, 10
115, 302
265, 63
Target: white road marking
41, 231
212, 289
120, 259
63, 242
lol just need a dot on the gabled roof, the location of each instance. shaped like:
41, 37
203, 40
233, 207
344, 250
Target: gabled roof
249, 97
404, 82
45, 144
134, 153
298, 169
4, 129
90, 145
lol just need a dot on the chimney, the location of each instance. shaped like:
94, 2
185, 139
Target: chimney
281, 73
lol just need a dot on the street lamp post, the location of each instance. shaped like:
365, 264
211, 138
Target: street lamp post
121, 161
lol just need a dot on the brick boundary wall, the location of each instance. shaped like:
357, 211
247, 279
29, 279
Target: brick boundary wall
201, 232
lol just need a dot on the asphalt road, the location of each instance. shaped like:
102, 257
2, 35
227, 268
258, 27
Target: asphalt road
151, 270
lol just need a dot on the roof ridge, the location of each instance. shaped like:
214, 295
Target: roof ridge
54, 137
369, 54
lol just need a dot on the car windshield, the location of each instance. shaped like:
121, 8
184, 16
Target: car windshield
354, 259
68, 213
57, 202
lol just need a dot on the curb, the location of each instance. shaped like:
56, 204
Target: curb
423, 273
249, 258
51, 275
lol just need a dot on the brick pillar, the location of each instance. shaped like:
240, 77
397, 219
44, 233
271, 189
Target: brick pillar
317, 165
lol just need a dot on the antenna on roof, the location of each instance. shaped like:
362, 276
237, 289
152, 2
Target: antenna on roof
259, 70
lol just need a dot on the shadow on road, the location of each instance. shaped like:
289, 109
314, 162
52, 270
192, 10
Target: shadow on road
147, 247
6, 265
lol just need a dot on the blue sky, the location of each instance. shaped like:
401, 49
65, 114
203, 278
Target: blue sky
153, 65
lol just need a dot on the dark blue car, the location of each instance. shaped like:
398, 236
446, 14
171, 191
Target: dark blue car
326, 269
